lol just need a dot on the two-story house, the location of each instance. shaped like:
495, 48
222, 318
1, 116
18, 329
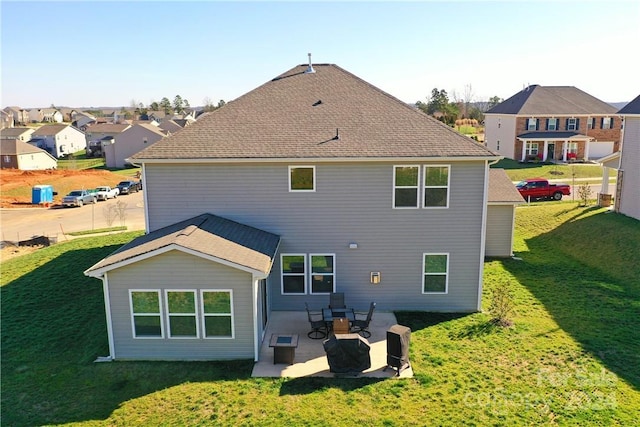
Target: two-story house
99, 135
16, 154
552, 123
59, 139
628, 184
130, 141
21, 134
20, 115
314, 182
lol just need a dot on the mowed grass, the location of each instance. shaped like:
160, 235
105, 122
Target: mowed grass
565, 172
572, 357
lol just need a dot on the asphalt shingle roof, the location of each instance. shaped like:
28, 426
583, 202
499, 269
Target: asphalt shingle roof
631, 108
327, 114
539, 100
15, 146
209, 235
48, 130
107, 127
501, 189
13, 132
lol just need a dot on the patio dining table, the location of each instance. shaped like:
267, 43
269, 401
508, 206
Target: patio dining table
328, 314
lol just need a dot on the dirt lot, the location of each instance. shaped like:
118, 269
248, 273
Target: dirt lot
16, 185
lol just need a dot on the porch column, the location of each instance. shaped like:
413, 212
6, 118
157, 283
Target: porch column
565, 146
586, 150
605, 180
544, 153
524, 151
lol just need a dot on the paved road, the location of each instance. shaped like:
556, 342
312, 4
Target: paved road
23, 224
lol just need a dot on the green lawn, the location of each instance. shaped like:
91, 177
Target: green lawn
519, 171
572, 357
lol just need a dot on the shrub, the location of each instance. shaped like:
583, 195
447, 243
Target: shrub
502, 306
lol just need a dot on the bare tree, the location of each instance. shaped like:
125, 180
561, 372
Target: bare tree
121, 209
110, 213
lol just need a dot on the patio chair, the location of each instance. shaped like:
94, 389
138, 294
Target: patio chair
318, 325
336, 300
361, 326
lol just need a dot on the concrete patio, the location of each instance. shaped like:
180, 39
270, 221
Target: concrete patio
310, 358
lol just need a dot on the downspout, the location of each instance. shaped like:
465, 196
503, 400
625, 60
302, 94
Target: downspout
256, 328
143, 176
483, 234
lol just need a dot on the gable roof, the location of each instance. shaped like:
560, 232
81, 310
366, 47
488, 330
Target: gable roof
49, 130
108, 127
552, 100
329, 114
14, 132
631, 108
148, 127
14, 147
206, 235
501, 189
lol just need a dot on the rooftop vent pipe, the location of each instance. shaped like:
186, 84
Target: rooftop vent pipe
309, 69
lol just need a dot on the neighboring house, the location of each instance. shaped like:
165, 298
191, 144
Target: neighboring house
627, 199
67, 114
45, 115
501, 214
552, 123
6, 120
100, 134
58, 140
21, 134
16, 154
82, 120
20, 115
170, 126
134, 139
253, 209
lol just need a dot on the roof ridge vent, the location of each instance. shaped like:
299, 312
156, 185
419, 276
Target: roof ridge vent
309, 69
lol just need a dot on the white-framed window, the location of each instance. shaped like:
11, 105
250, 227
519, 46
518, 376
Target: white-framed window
7, 159
572, 148
591, 123
552, 124
217, 313
606, 123
302, 178
405, 186
182, 317
572, 123
146, 318
294, 274
436, 186
532, 124
435, 273
532, 148
323, 273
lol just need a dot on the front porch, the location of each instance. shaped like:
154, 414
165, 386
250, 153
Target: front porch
310, 358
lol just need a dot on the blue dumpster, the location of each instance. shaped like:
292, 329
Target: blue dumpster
42, 194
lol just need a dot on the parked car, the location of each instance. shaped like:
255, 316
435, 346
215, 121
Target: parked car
127, 187
78, 198
105, 192
540, 188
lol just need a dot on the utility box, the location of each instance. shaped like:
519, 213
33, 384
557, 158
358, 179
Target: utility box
42, 194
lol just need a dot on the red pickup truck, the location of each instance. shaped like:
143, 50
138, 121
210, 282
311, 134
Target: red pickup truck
539, 188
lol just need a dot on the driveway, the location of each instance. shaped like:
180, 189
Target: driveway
23, 224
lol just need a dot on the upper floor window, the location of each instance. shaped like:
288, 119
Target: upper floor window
552, 124
532, 124
405, 186
607, 123
436, 186
302, 178
435, 272
572, 124
591, 123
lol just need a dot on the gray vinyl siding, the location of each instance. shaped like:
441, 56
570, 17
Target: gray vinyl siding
630, 165
352, 204
499, 231
177, 270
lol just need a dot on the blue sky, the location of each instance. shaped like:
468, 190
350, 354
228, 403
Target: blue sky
88, 53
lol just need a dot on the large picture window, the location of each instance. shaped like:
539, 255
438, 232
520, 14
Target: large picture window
302, 178
217, 314
436, 186
293, 274
405, 186
435, 273
322, 273
145, 314
181, 314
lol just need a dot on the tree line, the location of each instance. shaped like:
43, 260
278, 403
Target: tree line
461, 107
